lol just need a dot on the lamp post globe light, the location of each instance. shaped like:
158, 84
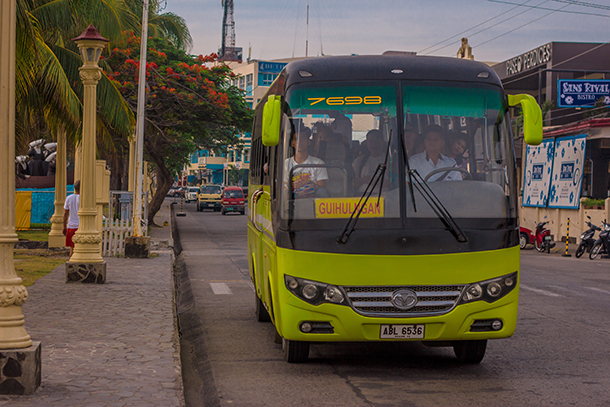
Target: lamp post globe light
86, 264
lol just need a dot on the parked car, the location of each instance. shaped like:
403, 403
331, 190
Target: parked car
525, 237
233, 200
191, 194
209, 197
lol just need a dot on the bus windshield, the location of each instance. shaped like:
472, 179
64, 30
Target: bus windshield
335, 139
455, 138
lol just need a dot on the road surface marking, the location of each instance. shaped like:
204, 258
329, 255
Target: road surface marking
598, 290
538, 291
220, 288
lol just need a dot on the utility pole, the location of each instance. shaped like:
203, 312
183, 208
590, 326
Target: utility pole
138, 245
307, 33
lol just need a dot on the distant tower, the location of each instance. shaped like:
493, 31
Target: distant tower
228, 52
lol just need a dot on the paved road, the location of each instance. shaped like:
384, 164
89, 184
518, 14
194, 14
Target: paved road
558, 356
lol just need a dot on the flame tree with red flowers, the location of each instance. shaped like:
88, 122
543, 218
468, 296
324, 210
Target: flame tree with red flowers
190, 105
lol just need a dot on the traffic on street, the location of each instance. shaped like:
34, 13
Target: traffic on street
557, 356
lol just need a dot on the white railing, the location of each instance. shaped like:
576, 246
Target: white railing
116, 231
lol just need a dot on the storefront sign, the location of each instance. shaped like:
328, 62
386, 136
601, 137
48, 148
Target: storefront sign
568, 172
270, 67
582, 92
529, 60
537, 173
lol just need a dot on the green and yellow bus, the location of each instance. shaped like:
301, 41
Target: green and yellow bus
383, 203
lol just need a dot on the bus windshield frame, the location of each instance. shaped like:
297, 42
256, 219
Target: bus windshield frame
476, 110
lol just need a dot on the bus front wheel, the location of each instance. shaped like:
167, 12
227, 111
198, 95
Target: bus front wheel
295, 351
470, 352
260, 311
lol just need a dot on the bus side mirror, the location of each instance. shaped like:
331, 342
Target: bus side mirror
532, 117
272, 113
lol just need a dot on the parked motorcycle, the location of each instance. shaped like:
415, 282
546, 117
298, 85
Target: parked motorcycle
543, 238
587, 239
602, 244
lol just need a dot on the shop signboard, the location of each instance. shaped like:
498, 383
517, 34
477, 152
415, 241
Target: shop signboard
537, 173
270, 67
582, 92
568, 165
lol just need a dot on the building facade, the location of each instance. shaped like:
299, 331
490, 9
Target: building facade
572, 79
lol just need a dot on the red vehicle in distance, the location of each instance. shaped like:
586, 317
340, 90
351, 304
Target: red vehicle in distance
526, 236
233, 200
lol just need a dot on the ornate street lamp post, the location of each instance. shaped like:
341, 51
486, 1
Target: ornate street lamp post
86, 264
16, 348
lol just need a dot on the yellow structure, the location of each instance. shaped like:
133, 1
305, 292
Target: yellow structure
12, 293
87, 249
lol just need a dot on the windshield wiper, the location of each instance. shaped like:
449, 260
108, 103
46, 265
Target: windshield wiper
370, 187
437, 206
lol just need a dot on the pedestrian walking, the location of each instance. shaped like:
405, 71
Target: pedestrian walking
71, 216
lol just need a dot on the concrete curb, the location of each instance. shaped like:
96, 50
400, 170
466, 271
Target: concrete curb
197, 377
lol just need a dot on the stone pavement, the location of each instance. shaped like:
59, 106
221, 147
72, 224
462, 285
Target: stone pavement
112, 344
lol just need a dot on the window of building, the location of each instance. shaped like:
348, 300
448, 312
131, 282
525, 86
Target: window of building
242, 83
266, 79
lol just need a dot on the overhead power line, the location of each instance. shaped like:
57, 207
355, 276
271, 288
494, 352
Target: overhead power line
472, 28
583, 4
521, 26
547, 8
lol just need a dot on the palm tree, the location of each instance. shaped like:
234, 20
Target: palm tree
47, 80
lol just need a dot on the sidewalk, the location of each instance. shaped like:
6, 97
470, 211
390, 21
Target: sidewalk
112, 344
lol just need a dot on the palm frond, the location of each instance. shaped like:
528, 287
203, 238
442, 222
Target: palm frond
173, 28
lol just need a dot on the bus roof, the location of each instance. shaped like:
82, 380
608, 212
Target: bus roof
380, 67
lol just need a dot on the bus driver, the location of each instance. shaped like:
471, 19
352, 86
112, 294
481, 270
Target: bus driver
432, 159
306, 181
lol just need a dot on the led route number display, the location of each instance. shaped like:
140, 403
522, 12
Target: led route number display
347, 100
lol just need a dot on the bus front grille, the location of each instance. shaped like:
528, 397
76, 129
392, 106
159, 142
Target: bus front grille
376, 301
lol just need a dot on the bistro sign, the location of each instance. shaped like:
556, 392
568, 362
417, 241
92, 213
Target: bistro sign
582, 92
529, 60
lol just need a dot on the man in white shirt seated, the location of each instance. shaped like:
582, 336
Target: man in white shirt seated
432, 159
307, 181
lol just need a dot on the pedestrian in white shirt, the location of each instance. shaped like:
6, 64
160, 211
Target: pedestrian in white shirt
71, 216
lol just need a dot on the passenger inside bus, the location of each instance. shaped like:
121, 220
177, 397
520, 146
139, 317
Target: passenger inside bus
309, 178
366, 164
457, 143
432, 158
410, 136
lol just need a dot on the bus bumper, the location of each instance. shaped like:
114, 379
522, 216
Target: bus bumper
348, 325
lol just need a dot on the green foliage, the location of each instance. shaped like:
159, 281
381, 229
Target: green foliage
189, 105
599, 110
593, 202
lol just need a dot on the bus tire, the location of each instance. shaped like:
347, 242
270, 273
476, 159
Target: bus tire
295, 351
470, 352
595, 251
260, 311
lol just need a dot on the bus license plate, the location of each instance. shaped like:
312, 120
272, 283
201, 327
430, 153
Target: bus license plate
401, 332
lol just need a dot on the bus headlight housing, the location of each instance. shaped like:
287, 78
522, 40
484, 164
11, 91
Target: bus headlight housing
489, 290
314, 292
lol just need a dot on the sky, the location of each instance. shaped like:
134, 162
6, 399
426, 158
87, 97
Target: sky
496, 30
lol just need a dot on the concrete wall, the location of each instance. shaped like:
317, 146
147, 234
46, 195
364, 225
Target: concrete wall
558, 219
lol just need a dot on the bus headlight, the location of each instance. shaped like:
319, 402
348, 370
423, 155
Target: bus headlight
314, 292
489, 290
